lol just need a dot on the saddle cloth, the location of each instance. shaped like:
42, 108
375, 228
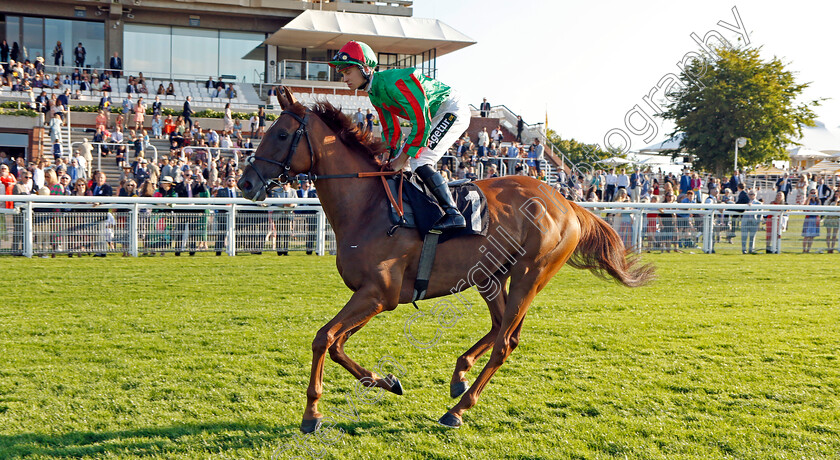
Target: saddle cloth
421, 210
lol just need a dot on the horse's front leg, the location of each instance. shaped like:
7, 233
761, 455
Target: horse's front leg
363, 305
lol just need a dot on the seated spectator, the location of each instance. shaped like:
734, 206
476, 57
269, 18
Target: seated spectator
161, 90
170, 90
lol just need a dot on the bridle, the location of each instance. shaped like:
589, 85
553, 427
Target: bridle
285, 165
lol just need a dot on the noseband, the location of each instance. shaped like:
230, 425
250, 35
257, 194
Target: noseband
285, 165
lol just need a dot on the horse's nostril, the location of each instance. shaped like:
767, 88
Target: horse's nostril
247, 185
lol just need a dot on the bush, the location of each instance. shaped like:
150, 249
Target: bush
19, 112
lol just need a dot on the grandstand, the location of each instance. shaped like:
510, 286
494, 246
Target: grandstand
252, 44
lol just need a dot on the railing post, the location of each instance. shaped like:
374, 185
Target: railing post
708, 229
69, 143
134, 230
28, 240
775, 241
637, 230
321, 243
231, 231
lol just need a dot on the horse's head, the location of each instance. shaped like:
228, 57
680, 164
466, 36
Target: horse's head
285, 151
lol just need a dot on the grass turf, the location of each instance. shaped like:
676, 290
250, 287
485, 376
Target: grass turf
191, 358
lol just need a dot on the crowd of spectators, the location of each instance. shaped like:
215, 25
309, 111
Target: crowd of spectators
668, 231
465, 157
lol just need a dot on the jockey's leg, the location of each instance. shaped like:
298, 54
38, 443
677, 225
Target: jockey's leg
452, 217
450, 121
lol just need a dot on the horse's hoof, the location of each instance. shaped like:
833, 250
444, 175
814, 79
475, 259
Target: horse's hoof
450, 421
457, 389
309, 426
396, 386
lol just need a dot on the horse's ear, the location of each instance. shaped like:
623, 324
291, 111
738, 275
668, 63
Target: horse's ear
286, 98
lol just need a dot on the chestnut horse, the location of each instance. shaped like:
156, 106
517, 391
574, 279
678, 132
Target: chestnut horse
532, 232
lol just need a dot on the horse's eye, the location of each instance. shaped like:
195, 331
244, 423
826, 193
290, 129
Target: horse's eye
283, 135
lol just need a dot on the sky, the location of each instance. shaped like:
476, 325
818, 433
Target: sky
591, 65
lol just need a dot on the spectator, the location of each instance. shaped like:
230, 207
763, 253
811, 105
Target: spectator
484, 108
228, 118
261, 121
157, 107
157, 127
359, 119
749, 225
635, 185
520, 126
622, 181
610, 180
57, 54
80, 54
483, 142
811, 226
100, 186
228, 191
308, 217
7, 182
139, 114
115, 64
768, 223
188, 111
369, 120
127, 106
55, 135
784, 185
824, 191
230, 92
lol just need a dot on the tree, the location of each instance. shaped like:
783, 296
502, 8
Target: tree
737, 95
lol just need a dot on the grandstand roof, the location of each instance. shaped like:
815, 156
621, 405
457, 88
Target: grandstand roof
391, 34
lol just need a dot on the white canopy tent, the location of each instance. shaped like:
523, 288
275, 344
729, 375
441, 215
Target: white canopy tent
615, 161
393, 34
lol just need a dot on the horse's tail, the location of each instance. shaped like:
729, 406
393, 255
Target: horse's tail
601, 251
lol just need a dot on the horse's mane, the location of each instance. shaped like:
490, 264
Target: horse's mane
359, 141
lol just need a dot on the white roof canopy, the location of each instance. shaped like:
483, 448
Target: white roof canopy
389, 34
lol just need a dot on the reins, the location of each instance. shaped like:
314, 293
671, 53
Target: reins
285, 165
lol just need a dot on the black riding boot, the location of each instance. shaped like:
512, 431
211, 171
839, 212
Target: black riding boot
452, 219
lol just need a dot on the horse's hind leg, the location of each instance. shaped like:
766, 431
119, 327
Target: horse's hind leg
458, 386
390, 382
526, 282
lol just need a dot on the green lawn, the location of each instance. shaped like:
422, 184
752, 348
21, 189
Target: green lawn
725, 356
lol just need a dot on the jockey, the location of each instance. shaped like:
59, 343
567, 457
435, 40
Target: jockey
437, 117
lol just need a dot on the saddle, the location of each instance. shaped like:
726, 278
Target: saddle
421, 210
413, 206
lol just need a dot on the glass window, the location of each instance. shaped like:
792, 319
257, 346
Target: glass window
33, 38
195, 52
92, 37
317, 71
292, 70
12, 30
58, 30
147, 49
239, 55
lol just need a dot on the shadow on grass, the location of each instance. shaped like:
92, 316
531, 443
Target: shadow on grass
147, 441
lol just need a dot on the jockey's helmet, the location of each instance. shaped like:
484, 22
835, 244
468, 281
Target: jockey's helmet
355, 53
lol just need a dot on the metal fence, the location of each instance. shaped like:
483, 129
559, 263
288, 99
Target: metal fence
50, 226
59, 225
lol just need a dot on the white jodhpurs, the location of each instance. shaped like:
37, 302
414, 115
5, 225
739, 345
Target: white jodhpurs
448, 124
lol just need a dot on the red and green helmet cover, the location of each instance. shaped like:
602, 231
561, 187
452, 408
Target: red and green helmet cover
354, 53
